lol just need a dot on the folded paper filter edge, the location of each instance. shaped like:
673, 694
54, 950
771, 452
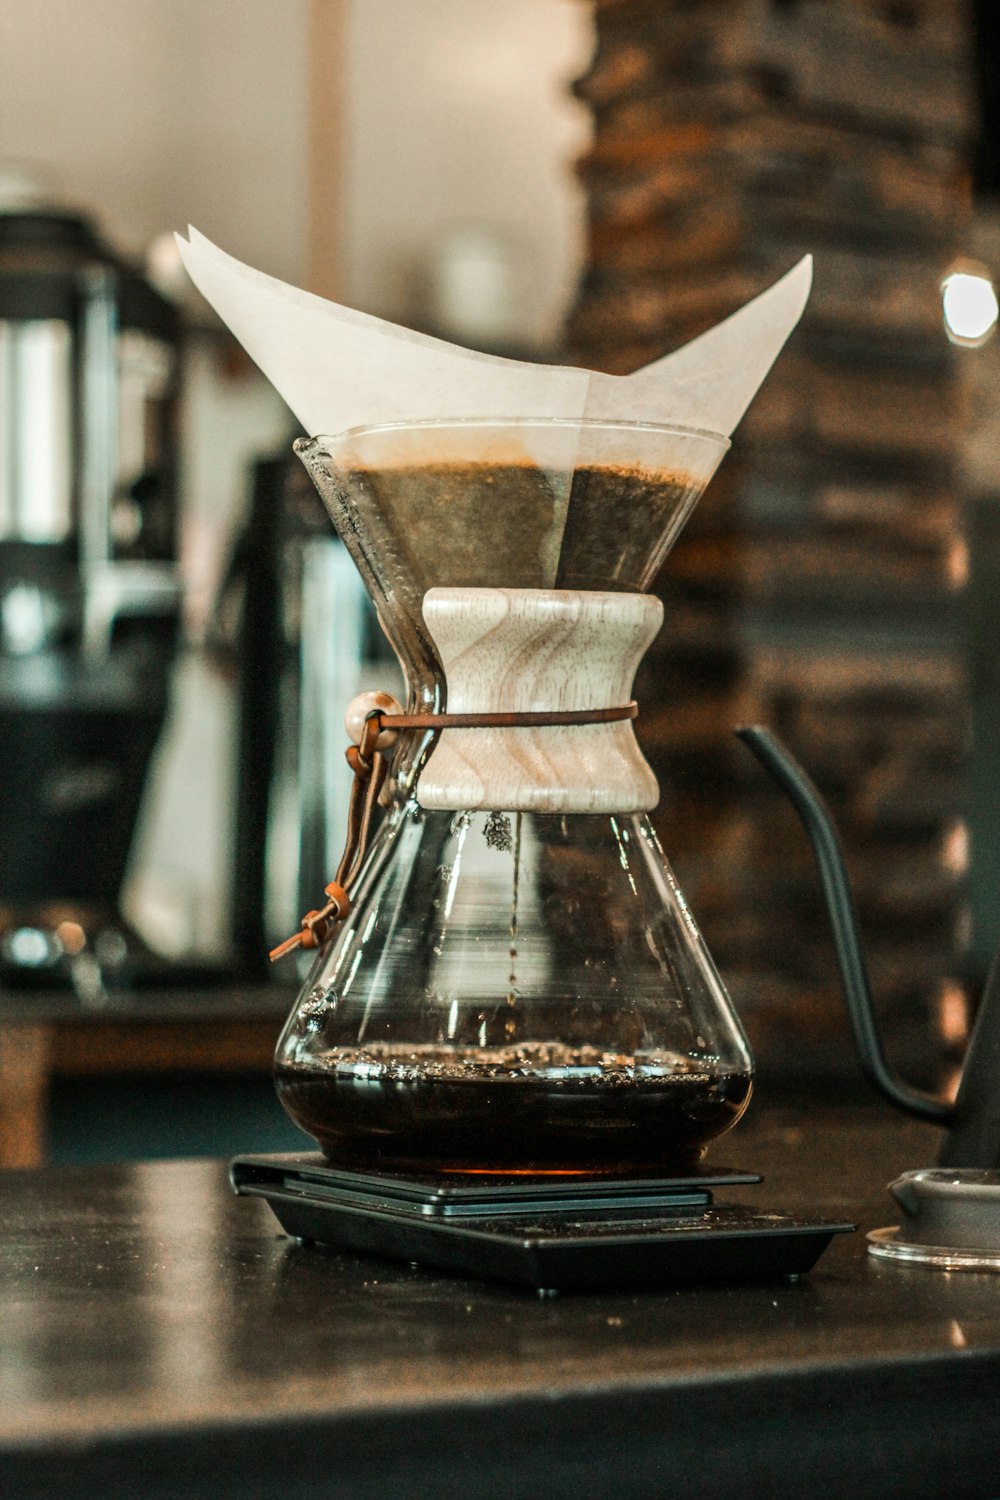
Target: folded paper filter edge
338, 368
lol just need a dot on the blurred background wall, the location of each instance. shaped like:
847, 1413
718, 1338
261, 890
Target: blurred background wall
160, 115
821, 588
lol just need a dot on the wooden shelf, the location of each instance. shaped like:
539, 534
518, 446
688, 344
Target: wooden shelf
44, 1037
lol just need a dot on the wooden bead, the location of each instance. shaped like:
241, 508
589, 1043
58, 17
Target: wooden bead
358, 711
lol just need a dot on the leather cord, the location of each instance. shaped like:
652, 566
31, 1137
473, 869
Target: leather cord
543, 718
369, 766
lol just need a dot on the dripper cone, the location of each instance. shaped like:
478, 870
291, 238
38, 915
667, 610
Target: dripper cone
594, 493
505, 504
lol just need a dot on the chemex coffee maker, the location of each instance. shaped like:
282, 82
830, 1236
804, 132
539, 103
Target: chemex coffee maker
513, 1046
89, 587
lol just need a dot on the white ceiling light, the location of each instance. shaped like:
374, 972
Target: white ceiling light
969, 303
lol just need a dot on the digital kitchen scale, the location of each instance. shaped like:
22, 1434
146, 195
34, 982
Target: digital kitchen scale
565, 1235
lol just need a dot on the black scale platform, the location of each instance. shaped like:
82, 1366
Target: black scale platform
551, 1236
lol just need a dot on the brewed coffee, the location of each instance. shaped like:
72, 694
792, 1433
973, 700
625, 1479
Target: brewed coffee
421, 1109
598, 527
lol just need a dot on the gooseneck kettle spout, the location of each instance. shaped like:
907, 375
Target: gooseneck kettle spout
973, 1122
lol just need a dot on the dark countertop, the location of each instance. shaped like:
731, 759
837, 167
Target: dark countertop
162, 1338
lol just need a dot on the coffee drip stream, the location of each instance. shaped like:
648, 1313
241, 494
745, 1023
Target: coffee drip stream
519, 986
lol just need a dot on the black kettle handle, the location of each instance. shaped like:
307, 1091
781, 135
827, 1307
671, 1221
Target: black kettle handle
974, 1137
818, 824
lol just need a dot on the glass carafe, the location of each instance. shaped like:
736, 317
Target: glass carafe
519, 986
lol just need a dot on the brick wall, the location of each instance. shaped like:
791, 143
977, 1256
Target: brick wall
818, 587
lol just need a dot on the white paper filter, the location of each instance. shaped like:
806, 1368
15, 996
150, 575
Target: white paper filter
337, 368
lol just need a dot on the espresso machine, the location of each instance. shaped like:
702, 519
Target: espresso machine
89, 590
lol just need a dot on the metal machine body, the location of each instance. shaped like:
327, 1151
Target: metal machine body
90, 592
